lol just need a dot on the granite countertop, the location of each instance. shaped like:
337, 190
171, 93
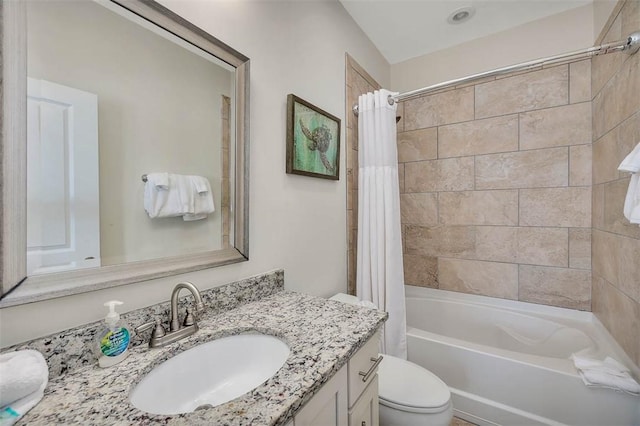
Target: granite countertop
322, 336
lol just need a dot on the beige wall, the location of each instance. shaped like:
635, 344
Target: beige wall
564, 32
496, 187
296, 222
616, 242
602, 11
138, 77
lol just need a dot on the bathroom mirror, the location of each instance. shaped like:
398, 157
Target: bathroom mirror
96, 97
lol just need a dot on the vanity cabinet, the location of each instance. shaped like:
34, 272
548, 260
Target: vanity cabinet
329, 406
363, 384
349, 398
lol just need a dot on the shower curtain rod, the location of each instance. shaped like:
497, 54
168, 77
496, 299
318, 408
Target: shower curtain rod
630, 44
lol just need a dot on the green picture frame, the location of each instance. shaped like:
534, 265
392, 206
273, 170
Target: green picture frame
313, 140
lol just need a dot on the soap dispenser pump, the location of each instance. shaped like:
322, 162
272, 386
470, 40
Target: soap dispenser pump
112, 341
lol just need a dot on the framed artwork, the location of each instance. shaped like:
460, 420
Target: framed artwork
313, 140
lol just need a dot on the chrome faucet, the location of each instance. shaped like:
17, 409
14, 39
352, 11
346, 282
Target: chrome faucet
161, 337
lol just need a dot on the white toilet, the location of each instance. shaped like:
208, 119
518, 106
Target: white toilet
409, 395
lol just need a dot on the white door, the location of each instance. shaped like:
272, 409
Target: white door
63, 216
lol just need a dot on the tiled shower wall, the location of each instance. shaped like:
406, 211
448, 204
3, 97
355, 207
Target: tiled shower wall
616, 130
496, 181
496, 187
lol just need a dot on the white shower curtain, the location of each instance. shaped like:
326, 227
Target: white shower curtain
380, 276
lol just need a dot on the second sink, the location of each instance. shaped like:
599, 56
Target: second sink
210, 374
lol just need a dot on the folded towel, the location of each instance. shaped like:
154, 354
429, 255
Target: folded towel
202, 199
159, 180
177, 195
632, 199
23, 377
609, 374
201, 184
631, 163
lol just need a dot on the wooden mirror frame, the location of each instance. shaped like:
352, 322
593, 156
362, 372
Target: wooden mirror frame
16, 287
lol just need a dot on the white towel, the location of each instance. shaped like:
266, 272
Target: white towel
631, 207
159, 180
202, 199
23, 377
631, 162
609, 374
178, 195
201, 184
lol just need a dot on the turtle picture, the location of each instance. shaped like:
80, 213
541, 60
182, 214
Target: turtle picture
319, 140
313, 140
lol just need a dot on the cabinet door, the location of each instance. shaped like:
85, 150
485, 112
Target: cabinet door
362, 361
329, 406
365, 411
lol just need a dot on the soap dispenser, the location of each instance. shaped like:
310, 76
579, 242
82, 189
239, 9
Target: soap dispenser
112, 340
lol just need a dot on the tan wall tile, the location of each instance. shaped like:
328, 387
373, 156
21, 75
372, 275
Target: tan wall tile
619, 314
543, 246
420, 270
476, 277
629, 267
350, 198
418, 145
559, 126
604, 66
534, 90
580, 161
597, 205
352, 176
452, 106
419, 209
613, 220
616, 102
630, 15
613, 147
525, 169
629, 135
605, 256
606, 157
499, 134
478, 207
400, 113
452, 174
404, 237
401, 177
580, 248
567, 288
450, 241
351, 272
352, 230
565, 207
580, 82
497, 243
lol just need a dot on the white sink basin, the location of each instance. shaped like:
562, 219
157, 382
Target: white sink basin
210, 374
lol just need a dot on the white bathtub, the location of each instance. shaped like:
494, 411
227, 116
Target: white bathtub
508, 363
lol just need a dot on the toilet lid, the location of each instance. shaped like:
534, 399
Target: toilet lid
405, 385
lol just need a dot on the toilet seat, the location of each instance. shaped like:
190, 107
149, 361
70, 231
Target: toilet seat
408, 387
